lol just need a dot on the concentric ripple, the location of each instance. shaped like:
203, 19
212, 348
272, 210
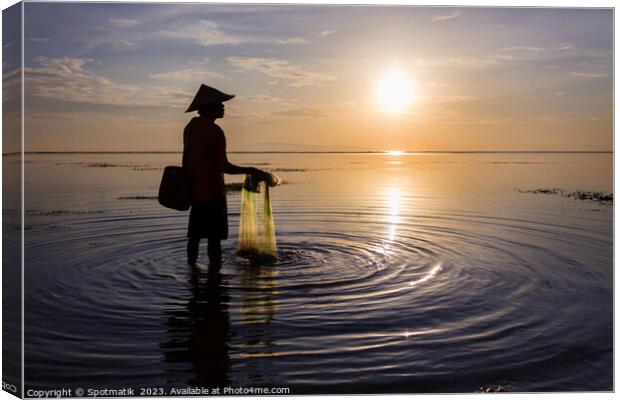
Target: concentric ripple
408, 297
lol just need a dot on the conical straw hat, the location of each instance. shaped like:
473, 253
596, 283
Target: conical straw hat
207, 95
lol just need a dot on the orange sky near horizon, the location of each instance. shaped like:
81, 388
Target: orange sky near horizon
119, 77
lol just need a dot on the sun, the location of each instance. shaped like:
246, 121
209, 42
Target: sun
396, 91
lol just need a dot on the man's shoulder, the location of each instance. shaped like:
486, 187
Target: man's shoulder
200, 124
218, 132
191, 124
217, 128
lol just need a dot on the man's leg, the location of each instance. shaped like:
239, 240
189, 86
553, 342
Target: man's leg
215, 253
193, 245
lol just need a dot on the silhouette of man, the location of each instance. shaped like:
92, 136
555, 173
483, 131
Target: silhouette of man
205, 160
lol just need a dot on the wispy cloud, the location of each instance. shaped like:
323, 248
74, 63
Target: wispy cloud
196, 73
466, 61
301, 112
202, 62
444, 99
124, 22
124, 45
38, 39
565, 47
532, 49
202, 32
459, 119
11, 87
587, 74
293, 40
445, 17
187, 74
68, 79
327, 33
266, 98
281, 69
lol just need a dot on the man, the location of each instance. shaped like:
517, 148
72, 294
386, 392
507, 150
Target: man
205, 160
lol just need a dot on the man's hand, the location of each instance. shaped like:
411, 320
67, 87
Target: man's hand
259, 175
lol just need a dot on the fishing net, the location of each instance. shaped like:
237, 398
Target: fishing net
257, 234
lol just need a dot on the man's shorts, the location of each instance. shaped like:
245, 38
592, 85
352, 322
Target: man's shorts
208, 220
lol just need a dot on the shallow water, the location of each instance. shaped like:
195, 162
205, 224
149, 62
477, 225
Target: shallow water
396, 273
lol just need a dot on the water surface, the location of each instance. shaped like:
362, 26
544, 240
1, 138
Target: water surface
396, 273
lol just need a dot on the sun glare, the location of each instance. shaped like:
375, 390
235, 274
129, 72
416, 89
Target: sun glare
395, 91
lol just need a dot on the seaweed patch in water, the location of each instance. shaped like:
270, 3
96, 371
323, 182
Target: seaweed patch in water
139, 168
108, 165
288, 169
601, 197
495, 389
135, 167
137, 198
520, 162
58, 213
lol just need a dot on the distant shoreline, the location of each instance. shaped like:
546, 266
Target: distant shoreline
329, 152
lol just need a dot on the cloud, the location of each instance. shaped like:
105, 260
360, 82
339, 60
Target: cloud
565, 47
326, 33
445, 99
586, 74
262, 98
293, 40
124, 22
533, 49
560, 93
204, 61
280, 69
301, 113
187, 74
38, 39
125, 45
68, 79
466, 61
202, 32
445, 17
457, 118
11, 88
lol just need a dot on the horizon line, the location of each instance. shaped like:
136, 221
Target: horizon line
315, 152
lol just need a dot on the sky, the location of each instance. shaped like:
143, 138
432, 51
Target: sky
119, 76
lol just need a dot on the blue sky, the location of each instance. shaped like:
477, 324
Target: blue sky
118, 77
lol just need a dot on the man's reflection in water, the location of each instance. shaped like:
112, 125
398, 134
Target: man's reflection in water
200, 333
257, 301
257, 332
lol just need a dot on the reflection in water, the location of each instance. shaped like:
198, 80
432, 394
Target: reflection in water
200, 333
257, 304
258, 307
475, 284
428, 276
393, 203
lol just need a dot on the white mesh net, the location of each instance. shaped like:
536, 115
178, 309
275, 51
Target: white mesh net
257, 235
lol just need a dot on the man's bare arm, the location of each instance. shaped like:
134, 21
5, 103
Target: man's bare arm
233, 169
